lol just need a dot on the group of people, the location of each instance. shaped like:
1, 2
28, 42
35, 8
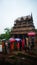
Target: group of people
28, 43
5, 46
24, 44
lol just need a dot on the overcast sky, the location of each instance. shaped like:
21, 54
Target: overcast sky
12, 9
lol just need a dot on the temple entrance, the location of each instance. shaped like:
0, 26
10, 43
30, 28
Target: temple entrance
21, 36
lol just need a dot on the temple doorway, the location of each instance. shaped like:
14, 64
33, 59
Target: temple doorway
21, 36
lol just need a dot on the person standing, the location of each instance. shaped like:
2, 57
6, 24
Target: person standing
32, 41
7, 49
23, 41
20, 45
27, 44
3, 46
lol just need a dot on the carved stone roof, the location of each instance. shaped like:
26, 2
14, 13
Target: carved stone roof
23, 27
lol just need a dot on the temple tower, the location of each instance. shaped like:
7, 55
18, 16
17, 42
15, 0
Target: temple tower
22, 26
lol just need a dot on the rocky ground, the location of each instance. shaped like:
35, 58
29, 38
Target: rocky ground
18, 58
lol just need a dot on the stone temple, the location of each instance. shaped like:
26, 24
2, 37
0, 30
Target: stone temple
22, 26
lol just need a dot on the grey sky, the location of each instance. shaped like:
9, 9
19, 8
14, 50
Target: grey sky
12, 9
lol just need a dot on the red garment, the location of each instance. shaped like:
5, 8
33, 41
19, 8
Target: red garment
3, 45
23, 43
12, 46
18, 45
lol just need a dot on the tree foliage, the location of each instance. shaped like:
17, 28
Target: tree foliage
2, 36
6, 35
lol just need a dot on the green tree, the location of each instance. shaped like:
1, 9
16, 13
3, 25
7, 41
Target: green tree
2, 36
7, 33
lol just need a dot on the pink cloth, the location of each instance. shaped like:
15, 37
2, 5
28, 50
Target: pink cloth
31, 33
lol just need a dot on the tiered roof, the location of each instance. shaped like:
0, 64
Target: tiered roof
23, 25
